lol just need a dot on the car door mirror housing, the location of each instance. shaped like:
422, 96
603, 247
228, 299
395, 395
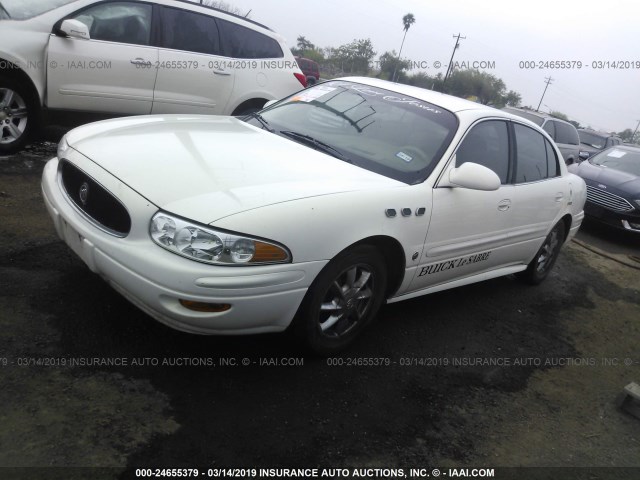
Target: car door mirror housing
474, 177
75, 29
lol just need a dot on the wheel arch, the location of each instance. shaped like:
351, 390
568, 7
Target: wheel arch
394, 258
251, 103
11, 70
567, 220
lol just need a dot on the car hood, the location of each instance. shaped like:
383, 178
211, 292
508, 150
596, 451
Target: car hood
206, 168
610, 177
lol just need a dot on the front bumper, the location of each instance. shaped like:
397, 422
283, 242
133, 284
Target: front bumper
629, 222
263, 299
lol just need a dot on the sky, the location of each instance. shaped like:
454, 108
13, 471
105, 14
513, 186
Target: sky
500, 31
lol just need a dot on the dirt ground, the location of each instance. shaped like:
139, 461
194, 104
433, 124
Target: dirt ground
496, 374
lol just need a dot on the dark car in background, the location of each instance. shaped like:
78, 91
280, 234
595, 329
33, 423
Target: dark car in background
613, 187
563, 133
592, 142
310, 69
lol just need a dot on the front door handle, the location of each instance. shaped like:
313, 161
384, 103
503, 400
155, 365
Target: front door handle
559, 197
141, 62
504, 205
223, 73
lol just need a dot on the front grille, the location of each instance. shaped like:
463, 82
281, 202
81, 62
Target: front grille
95, 201
608, 200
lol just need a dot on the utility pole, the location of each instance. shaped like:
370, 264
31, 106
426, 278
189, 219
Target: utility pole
634, 132
450, 67
549, 80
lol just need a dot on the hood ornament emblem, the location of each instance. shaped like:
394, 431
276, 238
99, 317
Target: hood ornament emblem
84, 193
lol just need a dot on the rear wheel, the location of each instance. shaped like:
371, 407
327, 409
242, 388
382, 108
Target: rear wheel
342, 301
17, 116
546, 257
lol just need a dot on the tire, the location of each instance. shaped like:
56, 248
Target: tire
343, 299
539, 268
18, 116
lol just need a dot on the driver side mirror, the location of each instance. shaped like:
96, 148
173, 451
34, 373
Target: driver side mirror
474, 177
75, 29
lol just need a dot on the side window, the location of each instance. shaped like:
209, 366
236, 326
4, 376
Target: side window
242, 42
122, 22
191, 32
553, 167
487, 144
535, 159
550, 129
566, 134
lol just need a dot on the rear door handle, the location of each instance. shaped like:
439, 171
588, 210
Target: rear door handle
223, 73
559, 196
504, 205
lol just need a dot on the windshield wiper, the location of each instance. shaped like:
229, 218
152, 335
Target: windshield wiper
317, 144
262, 121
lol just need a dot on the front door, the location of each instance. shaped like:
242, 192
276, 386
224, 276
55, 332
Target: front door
112, 72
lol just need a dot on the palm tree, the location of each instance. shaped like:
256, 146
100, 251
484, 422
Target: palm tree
407, 21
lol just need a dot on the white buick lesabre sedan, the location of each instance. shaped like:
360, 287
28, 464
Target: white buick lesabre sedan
314, 212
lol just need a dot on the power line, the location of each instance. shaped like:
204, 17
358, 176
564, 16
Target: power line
450, 67
549, 81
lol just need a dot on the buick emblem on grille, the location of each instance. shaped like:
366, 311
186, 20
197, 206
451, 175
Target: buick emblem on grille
602, 186
84, 193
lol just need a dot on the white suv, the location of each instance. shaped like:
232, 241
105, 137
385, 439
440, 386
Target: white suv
132, 57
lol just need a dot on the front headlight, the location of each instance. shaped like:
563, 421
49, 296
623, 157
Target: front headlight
63, 146
208, 245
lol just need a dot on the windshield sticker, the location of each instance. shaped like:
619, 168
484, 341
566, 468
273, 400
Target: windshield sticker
312, 94
404, 156
451, 264
616, 154
384, 95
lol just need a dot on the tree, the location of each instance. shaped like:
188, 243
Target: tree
220, 5
354, 57
390, 63
513, 99
304, 45
407, 21
488, 89
560, 115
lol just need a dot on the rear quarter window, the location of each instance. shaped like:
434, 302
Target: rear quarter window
242, 42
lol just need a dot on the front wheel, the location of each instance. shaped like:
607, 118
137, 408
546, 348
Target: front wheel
342, 301
17, 116
545, 259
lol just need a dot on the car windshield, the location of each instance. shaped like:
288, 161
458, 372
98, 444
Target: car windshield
627, 161
595, 141
25, 9
379, 130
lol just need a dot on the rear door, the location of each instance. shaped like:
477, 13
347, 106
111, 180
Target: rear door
539, 191
112, 72
193, 75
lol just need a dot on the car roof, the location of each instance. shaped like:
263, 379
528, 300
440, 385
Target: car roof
598, 132
546, 116
451, 103
203, 5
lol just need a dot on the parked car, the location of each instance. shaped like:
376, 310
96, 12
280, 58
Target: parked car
563, 133
133, 57
314, 212
613, 187
592, 142
310, 69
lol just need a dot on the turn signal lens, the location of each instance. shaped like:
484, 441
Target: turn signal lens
268, 253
